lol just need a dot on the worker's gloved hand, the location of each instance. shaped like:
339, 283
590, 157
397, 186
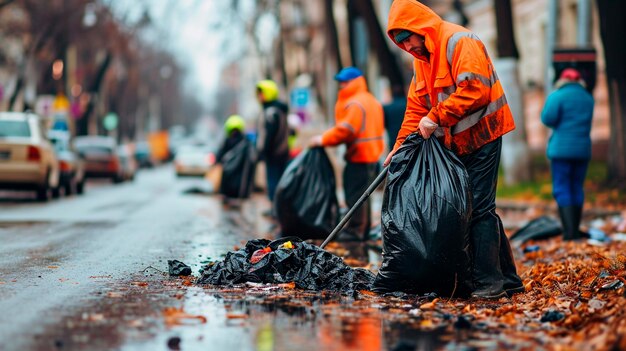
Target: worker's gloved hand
427, 127
389, 157
315, 141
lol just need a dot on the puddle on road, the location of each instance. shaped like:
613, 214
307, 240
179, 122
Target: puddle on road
274, 318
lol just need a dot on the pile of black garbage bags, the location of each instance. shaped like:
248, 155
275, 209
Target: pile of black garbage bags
426, 215
287, 260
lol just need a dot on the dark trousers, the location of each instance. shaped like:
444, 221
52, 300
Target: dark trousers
568, 177
493, 267
356, 178
273, 171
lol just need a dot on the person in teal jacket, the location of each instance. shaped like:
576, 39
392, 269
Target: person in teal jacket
568, 111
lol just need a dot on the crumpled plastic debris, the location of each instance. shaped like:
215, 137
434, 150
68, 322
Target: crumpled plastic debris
287, 246
540, 228
552, 316
307, 265
178, 268
259, 254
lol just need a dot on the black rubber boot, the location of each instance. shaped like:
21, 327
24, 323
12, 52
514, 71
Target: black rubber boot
578, 215
570, 218
512, 282
486, 272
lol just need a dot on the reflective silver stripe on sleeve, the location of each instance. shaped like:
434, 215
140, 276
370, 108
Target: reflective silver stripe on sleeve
470, 75
362, 140
447, 91
363, 114
347, 125
475, 117
428, 104
454, 39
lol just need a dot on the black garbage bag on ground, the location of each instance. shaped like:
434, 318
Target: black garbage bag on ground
310, 267
425, 222
305, 201
177, 268
543, 227
238, 166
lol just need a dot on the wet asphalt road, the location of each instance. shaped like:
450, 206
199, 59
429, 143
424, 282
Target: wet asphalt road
68, 267
86, 273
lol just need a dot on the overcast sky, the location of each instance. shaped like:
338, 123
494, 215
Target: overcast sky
203, 34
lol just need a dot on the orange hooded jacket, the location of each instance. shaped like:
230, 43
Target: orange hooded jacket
359, 123
458, 89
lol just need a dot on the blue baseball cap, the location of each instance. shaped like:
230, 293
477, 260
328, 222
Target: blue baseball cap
348, 74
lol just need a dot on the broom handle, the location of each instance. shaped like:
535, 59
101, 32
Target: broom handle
379, 179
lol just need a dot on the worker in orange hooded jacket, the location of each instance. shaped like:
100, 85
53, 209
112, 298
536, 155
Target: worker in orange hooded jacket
359, 123
456, 95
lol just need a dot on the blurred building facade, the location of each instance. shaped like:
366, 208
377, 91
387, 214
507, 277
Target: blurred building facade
309, 44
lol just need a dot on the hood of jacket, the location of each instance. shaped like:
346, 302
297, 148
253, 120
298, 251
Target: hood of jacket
355, 86
416, 17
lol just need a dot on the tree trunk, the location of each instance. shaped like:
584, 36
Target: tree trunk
332, 38
82, 125
516, 160
388, 62
612, 27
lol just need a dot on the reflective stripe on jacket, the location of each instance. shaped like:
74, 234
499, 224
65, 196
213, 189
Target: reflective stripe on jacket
458, 89
359, 124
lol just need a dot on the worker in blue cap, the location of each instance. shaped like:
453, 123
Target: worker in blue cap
359, 125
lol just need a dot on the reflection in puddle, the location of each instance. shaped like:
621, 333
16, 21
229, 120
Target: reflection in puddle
265, 317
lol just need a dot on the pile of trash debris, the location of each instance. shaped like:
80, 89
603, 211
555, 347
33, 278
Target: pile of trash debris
287, 260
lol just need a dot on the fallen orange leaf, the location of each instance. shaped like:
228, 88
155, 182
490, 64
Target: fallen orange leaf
232, 315
176, 316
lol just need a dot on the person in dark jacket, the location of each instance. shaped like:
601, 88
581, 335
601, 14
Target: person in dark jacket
394, 114
234, 128
568, 111
274, 146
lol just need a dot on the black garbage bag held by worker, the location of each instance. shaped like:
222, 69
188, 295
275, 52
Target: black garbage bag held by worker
425, 222
238, 158
306, 201
456, 95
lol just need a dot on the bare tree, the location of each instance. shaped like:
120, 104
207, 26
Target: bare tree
612, 28
516, 159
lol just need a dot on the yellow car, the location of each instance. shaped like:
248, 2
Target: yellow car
27, 158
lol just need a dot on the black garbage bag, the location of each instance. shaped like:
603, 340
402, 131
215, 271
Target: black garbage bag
177, 268
238, 166
543, 227
310, 267
305, 201
425, 222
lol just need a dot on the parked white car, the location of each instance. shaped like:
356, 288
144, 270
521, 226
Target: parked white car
27, 158
193, 160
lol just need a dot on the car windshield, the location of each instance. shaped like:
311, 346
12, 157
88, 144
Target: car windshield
14, 129
95, 150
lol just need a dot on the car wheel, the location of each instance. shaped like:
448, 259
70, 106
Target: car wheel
80, 187
43, 193
69, 187
56, 192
